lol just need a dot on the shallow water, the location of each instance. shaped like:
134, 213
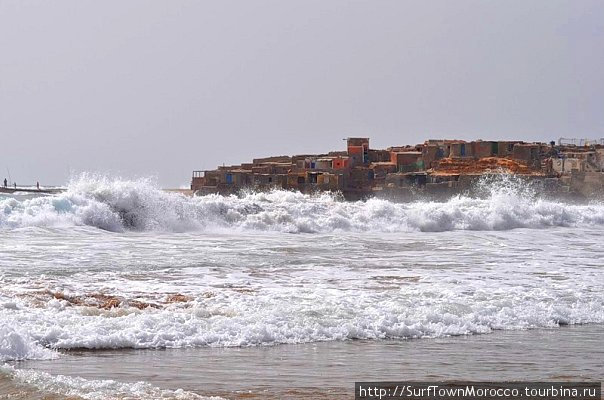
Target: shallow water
122, 266
329, 369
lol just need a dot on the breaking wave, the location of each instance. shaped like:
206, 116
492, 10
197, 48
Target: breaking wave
270, 317
139, 205
16, 345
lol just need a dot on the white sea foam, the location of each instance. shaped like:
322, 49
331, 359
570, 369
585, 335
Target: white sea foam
94, 389
229, 318
18, 345
367, 272
119, 205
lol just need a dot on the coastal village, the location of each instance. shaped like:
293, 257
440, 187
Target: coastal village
434, 168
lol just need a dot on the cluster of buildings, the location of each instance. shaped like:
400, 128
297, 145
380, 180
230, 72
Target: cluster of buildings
433, 167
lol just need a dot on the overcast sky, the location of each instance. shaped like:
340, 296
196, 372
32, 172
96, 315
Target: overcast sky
159, 88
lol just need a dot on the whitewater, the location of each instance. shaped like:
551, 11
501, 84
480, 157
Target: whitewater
121, 264
125, 205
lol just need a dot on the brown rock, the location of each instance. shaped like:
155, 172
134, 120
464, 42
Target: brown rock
178, 298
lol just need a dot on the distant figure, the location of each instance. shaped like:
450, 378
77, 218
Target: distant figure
5, 182
15, 183
38, 185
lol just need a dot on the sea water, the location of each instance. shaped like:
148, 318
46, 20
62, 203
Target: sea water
121, 265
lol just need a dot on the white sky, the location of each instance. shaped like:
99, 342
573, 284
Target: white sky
159, 88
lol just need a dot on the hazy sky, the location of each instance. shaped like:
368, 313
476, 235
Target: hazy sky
159, 88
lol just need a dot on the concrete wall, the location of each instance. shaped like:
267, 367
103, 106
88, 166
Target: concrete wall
459, 150
323, 163
526, 152
484, 149
505, 148
566, 165
379, 156
587, 184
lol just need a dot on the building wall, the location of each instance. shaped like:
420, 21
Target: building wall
382, 169
379, 156
328, 181
485, 149
358, 151
355, 155
340, 163
360, 178
526, 152
505, 148
432, 153
197, 182
323, 163
566, 165
264, 160
407, 161
296, 180
460, 150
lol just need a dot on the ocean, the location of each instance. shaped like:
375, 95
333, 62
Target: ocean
116, 289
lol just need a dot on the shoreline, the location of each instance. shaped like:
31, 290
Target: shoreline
329, 369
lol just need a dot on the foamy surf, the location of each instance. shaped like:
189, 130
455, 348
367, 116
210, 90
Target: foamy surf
269, 316
125, 205
17, 344
30, 384
115, 264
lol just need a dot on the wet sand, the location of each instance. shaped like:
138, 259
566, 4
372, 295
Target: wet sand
329, 369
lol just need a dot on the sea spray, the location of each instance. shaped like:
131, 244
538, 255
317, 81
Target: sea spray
240, 284
120, 205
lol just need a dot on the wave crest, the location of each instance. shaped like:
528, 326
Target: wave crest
139, 205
